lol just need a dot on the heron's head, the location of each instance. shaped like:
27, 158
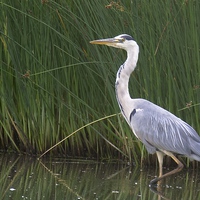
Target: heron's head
123, 41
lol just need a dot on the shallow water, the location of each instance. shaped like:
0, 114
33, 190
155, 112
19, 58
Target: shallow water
23, 177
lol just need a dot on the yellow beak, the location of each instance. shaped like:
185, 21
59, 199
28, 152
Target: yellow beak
108, 41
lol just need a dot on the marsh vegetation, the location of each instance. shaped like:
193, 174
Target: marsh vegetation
54, 84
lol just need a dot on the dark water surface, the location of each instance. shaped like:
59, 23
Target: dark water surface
23, 177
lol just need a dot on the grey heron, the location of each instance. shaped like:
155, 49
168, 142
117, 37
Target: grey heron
159, 130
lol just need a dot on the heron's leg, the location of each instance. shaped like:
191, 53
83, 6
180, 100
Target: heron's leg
179, 168
160, 156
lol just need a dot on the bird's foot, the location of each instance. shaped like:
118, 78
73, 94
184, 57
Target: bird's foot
154, 181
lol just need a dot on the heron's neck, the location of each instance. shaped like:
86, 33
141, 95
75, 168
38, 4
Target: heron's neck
122, 80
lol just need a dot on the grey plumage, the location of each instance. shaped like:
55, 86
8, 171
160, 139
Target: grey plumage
159, 129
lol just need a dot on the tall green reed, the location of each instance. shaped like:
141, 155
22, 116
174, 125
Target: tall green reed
53, 81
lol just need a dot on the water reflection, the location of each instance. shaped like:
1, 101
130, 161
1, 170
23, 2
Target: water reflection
27, 178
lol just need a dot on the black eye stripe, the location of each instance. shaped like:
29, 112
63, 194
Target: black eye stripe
121, 38
127, 37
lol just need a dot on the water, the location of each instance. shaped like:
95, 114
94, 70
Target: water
24, 177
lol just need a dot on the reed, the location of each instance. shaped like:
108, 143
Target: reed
53, 82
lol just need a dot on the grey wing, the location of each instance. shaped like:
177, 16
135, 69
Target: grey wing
158, 129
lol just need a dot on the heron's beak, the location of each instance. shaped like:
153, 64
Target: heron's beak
108, 41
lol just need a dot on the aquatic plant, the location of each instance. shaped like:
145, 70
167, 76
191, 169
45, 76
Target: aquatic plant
53, 82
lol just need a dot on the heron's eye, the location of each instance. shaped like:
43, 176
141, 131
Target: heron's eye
121, 40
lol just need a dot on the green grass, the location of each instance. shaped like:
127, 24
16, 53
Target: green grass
53, 82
